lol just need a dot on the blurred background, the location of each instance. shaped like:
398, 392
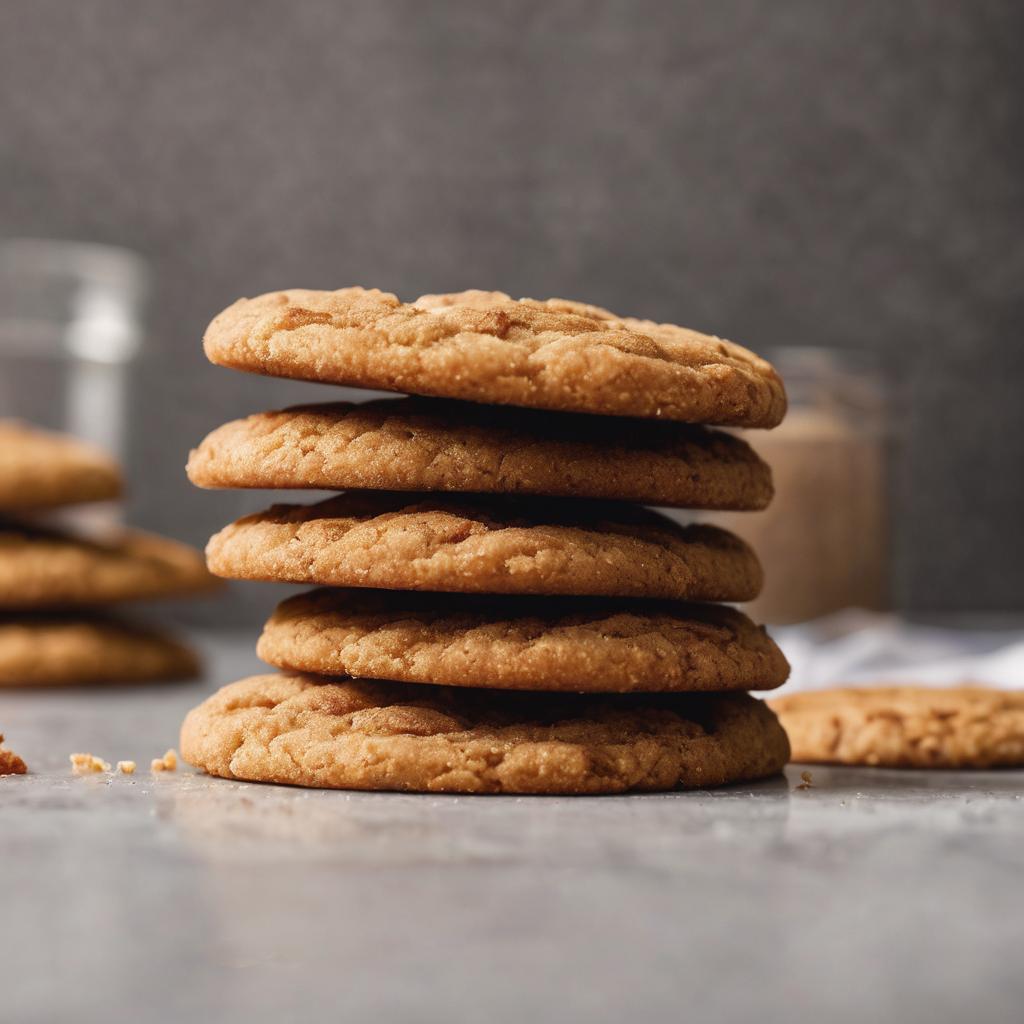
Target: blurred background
804, 176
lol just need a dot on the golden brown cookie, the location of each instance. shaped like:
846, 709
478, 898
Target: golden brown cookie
44, 568
40, 469
60, 651
485, 347
380, 539
906, 726
421, 444
305, 731
578, 645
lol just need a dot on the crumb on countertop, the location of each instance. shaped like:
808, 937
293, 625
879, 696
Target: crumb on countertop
126, 767
806, 780
10, 763
88, 764
167, 763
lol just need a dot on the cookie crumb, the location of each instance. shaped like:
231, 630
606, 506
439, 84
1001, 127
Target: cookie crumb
87, 764
10, 763
126, 767
167, 763
806, 780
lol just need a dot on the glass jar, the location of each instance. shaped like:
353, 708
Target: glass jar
70, 325
824, 540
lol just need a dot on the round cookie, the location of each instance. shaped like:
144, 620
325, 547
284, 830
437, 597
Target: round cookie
43, 568
40, 469
485, 347
64, 651
906, 726
379, 539
304, 731
555, 644
417, 444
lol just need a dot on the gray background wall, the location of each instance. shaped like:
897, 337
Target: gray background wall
792, 172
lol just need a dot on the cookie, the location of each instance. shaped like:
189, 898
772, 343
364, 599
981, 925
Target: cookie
485, 347
305, 731
39, 469
380, 539
578, 645
906, 727
416, 444
43, 568
59, 651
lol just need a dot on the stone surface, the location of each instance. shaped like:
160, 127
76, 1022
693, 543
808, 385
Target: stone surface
871, 895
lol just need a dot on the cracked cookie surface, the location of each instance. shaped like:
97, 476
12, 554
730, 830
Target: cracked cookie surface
486, 347
416, 444
304, 731
577, 645
906, 726
61, 651
380, 539
46, 568
39, 469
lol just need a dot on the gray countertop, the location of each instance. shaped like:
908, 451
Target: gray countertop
873, 895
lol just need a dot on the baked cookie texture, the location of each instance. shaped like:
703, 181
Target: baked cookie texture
61, 651
44, 568
415, 444
577, 645
381, 539
486, 347
39, 469
906, 727
303, 731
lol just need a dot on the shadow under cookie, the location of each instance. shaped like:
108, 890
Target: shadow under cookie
44, 568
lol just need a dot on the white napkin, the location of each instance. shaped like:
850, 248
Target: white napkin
866, 648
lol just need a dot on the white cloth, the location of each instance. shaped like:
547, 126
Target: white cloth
865, 648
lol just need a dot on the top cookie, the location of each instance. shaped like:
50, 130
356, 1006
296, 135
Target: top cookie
906, 726
485, 347
39, 469
423, 444
42, 568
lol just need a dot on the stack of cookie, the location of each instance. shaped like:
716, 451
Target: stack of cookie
499, 613
53, 581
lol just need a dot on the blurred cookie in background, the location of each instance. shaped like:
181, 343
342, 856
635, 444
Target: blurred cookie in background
69, 571
42, 567
69, 650
42, 469
906, 726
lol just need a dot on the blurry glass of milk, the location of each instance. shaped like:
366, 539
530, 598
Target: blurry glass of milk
70, 325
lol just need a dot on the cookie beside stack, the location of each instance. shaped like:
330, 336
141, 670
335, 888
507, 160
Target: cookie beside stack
498, 614
54, 582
